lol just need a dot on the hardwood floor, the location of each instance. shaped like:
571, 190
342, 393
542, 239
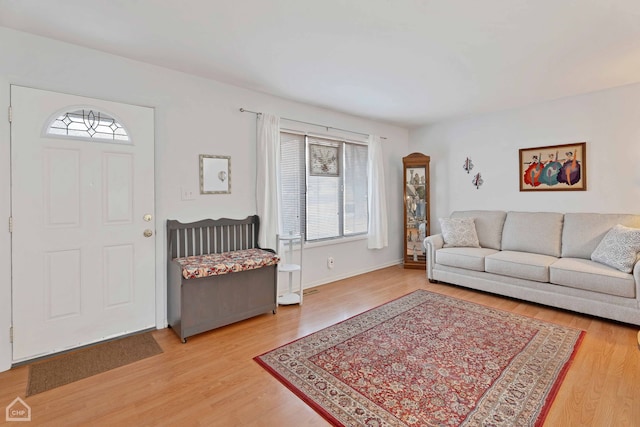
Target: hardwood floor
213, 381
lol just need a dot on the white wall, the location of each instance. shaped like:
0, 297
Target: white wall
609, 122
193, 116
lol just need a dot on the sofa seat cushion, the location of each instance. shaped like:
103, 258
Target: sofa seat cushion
467, 258
592, 276
523, 265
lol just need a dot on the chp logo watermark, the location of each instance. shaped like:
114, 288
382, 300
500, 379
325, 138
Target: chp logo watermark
18, 410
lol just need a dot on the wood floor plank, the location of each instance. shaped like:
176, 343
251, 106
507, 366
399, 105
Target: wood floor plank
213, 381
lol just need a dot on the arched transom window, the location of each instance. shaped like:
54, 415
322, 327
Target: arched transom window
88, 124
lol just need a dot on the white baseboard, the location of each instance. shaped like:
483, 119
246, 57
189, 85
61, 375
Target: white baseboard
345, 276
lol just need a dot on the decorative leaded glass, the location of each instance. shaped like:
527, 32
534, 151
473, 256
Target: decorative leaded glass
88, 124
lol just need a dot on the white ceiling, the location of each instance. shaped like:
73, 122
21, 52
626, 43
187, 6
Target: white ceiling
408, 62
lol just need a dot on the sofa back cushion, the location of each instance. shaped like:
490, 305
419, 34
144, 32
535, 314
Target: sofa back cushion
489, 226
583, 231
536, 232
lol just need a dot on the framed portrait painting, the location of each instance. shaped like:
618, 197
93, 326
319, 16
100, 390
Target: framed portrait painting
554, 168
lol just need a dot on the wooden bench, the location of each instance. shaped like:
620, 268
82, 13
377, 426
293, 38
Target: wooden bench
217, 274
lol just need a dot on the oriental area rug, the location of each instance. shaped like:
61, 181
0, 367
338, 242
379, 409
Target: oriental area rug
427, 359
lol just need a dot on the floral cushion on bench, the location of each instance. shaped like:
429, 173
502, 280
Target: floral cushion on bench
197, 266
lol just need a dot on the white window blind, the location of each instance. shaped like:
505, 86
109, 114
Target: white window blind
292, 182
323, 205
355, 189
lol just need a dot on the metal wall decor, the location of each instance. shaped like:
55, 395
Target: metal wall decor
468, 165
477, 180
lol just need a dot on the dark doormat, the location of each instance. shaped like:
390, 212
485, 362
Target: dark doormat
89, 361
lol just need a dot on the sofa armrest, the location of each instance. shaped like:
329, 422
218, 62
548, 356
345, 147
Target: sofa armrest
432, 244
636, 276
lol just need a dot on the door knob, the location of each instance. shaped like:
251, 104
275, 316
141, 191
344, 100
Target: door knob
147, 217
148, 233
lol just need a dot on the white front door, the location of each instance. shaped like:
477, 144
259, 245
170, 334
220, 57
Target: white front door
82, 268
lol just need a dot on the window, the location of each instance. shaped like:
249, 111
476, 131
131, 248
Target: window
323, 184
88, 124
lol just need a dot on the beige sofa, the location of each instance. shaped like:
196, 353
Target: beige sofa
543, 257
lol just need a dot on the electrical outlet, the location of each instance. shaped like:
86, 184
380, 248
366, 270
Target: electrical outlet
187, 193
330, 262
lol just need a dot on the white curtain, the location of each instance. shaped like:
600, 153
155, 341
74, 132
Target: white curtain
267, 180
378, 227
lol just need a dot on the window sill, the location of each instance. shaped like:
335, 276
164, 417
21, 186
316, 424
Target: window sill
335, 241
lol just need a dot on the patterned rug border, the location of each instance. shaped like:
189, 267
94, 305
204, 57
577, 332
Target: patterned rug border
553, 392
546, 405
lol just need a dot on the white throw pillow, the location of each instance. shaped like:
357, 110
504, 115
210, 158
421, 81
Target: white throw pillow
619, 248
459, 232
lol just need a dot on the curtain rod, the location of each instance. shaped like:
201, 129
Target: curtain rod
243, 110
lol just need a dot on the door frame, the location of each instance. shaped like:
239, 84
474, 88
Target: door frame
6, 283
6, 310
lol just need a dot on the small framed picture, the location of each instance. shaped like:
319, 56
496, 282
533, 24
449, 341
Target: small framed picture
215, 174
324, 160
554, 168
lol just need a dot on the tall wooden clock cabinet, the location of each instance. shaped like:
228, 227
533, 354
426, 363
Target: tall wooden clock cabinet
416, 209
